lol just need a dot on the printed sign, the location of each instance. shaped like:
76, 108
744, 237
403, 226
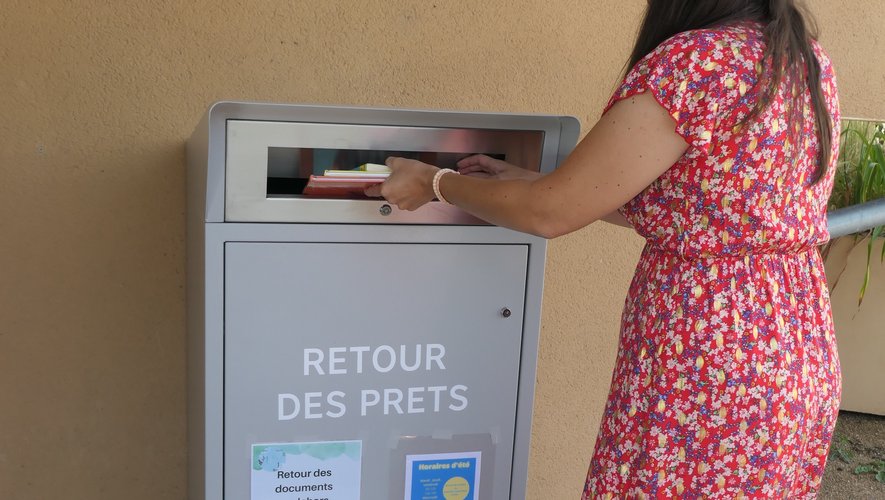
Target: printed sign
443, 476
328, 470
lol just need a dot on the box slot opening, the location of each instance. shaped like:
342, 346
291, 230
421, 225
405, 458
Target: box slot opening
289, 168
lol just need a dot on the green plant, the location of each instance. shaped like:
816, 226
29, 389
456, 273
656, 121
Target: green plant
877, 468
860, 177
841, 448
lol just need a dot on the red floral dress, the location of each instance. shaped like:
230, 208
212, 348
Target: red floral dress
727, 382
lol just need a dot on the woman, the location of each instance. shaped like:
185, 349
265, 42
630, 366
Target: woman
719, 149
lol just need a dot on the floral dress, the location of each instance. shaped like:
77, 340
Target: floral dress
727, 381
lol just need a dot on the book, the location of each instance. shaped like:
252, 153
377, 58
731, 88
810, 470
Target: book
373, 167
336, 183
346, 183
364, 170
356, 174
339, 186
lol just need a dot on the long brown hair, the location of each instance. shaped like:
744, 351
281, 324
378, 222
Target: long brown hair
789, 31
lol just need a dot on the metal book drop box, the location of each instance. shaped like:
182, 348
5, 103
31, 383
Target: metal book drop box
341, 347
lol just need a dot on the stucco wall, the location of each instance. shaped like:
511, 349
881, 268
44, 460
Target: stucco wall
97, 100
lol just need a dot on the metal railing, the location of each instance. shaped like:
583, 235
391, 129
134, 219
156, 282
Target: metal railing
856, 218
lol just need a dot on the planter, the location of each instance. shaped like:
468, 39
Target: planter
860, 331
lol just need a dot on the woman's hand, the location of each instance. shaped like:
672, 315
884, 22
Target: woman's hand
485, 166
409, 186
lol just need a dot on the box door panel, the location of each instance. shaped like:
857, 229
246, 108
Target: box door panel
406, 348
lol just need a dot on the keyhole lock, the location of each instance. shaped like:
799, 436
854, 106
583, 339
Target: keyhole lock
385, 209
506, 312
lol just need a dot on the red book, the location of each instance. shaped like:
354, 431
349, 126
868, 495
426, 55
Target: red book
338, 187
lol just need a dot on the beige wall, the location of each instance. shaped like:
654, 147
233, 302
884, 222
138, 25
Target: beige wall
860, 334
97, 102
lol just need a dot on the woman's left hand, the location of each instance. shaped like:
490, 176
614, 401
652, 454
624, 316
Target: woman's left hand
409, 186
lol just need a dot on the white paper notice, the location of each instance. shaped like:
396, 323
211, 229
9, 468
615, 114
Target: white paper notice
328, 470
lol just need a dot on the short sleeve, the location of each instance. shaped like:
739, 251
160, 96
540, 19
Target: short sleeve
686, 75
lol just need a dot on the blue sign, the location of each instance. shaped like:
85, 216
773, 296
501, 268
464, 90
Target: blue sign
443, 476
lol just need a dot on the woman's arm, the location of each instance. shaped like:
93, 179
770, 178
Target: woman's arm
633, 144
617, 219
484, 166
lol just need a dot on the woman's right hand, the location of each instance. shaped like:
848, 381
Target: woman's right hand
490, 168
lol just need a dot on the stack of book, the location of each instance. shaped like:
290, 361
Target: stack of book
346, 183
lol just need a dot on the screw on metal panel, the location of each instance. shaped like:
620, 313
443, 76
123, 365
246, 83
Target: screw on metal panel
385, 209
506, 312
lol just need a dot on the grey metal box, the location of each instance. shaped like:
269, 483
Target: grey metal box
317, 325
